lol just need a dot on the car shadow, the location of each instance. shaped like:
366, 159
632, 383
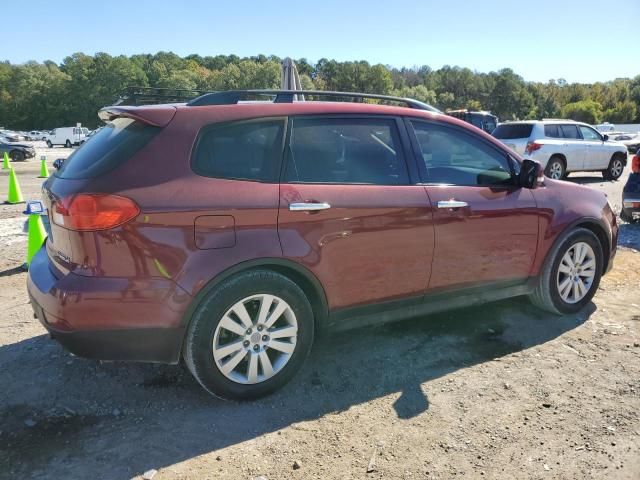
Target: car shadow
629, 235
122, 419
586, 180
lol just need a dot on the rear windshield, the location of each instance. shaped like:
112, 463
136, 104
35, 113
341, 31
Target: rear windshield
513, 130
113, 145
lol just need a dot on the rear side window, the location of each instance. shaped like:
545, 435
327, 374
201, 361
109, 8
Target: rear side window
332, 150
510, 131
240, 151
552, 131
569, 131
112, 146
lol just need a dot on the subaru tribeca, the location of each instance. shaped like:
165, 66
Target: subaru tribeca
231, 232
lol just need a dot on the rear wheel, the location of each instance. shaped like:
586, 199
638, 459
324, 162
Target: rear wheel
249, 336
16, 155
615, 168
555, 168
571, 274
49, 144
67, 143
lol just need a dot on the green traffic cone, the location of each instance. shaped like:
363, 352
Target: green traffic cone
44, 171
15, 194
5, 162
37, 235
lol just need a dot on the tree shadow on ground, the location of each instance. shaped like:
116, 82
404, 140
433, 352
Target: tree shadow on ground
59, 412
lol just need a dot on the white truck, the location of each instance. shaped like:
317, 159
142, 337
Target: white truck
67, 136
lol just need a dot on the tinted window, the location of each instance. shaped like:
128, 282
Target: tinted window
111, 146
569, 131
552, 131
508, 131
454, 157
346, 151
589, 134
240, 151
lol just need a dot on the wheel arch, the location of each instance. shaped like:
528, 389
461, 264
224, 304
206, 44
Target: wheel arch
299, 274
597, 228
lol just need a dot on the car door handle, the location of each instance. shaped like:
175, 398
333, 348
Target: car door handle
452, 204
308, 207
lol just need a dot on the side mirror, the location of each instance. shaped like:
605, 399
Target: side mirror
605, 137
57, 164
531, 174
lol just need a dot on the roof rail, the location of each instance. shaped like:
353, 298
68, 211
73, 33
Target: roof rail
153, 95
231, 97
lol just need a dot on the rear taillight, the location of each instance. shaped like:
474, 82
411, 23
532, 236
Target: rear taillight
532, 147
93, 211
635, 163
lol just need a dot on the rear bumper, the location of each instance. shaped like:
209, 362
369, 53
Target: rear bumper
109, 318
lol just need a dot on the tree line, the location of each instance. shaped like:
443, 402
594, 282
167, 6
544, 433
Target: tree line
47, 95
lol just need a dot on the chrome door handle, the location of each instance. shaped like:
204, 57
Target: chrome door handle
308, 207
452, 204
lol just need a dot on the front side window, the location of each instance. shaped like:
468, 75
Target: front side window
589, 134
453, 157
569, 131
341, 150
240, 151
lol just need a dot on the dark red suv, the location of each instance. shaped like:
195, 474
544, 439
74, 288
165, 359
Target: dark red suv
231, 232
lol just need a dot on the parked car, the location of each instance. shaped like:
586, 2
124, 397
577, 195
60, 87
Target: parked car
67, 136
12, 136
229, 234
630, 140
16, 151
564, 146
483, 120
631, 193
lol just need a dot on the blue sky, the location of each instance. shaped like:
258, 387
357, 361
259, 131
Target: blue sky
582, 41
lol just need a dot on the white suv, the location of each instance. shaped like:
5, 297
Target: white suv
564, 146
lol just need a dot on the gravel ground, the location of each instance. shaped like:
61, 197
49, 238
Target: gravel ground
499, 391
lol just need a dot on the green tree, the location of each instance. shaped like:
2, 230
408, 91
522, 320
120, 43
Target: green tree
586, 111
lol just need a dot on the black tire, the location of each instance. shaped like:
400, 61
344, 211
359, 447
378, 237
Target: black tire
67, 143
198, 347
49, 144
615, 168
553, 161
16, 156
546, 295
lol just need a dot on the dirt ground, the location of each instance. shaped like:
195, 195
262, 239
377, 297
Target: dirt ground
500, 391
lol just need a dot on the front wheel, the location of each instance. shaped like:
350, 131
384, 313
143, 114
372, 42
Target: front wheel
249, 336
49, 144
555, 168
67, 144
16, 156
615, 168
571, 274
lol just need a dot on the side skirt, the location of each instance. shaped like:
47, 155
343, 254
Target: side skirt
355, 317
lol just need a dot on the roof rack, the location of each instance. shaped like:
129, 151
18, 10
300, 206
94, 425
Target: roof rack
231, 97
152, 95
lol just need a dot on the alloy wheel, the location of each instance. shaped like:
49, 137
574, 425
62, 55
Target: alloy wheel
616, 168
255, 339
576, 272
555, 170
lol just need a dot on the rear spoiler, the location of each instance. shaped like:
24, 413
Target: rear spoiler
154, 115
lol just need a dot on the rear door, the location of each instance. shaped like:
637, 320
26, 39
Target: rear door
486, 227
351, 209
573, 147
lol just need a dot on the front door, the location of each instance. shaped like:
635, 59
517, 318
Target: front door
486, 227
350, 212
595, 154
